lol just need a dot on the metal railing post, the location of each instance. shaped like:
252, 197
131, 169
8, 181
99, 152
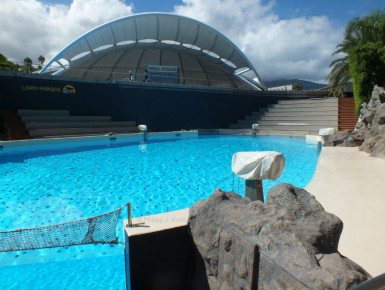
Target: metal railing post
129, 218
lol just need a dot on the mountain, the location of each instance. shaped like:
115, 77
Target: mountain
306, 85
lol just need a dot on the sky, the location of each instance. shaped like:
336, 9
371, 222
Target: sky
284, 39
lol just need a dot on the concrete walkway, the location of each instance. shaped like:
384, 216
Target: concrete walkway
351, 185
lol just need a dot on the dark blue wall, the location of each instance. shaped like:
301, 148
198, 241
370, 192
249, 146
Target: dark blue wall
163, 107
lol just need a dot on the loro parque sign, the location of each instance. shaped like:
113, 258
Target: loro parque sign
68, 89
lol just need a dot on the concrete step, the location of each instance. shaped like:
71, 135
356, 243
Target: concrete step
246, 122
301, 118
48, 125
312, 109
287, 126
322, 123
239, 126
295, 127
28, 112
225, 131
36, 133
310, 101
286, 133
27, 119
322, 105
303, 113
252, 117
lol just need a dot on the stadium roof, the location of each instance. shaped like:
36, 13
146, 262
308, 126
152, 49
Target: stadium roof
127, 45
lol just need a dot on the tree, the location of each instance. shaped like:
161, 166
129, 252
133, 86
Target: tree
339, 76
41, 59
7, 65
367, 68
297, 86
358, 32
28, 64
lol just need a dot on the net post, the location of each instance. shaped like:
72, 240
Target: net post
129, 218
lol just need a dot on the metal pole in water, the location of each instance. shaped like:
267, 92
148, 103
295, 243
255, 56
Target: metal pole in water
129, 218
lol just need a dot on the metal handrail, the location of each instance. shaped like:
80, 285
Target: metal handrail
375, 283
126, 76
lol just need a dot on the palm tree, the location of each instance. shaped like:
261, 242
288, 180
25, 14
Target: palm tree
41, 59
358, 31
339, 75
28, 64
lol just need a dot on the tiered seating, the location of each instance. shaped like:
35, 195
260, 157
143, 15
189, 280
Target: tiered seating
51, 123
294, 117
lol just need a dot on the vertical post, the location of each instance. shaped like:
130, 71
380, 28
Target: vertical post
259, 187
254, 190
129, 219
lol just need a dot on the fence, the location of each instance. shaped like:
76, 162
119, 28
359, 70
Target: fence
100, 229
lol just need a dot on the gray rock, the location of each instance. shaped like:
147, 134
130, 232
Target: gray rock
346, 138
374, 131
370, 127
339, 138
287, 242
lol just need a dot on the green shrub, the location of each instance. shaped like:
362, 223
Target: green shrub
367, 68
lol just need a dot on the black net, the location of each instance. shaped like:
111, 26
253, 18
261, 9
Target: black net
100, 229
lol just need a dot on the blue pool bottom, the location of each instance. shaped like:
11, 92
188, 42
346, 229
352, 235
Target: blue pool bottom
55, 185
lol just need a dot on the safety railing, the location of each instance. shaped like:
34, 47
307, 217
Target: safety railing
200, 80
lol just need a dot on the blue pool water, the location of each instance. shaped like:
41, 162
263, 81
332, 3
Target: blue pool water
63, 183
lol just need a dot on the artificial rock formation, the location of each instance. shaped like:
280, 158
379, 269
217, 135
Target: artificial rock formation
370, 128
371, 124
287, 242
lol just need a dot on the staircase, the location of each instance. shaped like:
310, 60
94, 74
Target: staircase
347, 118
59, 123
299, 117
16, 127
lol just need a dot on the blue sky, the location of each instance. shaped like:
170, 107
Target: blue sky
340, 11
283, 38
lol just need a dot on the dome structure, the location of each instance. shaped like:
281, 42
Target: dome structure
181, 50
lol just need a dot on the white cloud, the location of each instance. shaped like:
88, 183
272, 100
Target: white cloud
291, 48
32, 28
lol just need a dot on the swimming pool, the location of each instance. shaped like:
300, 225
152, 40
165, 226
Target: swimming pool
63, 183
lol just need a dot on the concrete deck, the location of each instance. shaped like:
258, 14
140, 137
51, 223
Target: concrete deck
158, 222
351, 185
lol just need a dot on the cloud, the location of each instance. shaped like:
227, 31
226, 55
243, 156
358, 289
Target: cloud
300, 47
32, 28
279, 49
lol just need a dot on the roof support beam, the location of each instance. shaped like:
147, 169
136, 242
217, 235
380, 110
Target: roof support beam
89, 46
182, 68
157, 28
113, 36
116, 63
214, 43
177, 30
205, 72
196, 35
139, 61
136, 30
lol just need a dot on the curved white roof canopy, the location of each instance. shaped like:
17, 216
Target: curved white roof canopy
204, 55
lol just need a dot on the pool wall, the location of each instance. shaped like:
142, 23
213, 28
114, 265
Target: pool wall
159, 252
121, 138
162, 107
